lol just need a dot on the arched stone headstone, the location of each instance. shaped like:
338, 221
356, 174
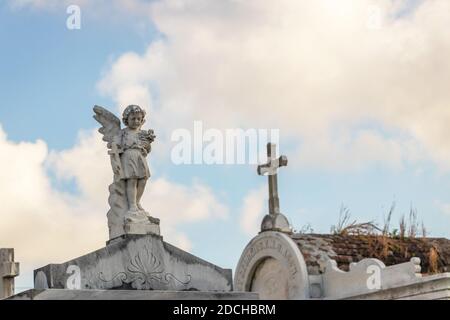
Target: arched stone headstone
273, 266
40, 281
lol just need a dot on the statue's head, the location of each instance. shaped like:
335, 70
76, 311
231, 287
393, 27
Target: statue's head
133, 116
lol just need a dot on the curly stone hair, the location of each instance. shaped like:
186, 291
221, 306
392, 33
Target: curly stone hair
132, 109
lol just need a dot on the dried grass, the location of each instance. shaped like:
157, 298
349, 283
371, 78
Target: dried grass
433, 258
345, 227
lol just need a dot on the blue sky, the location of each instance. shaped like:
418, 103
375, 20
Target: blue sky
363, 153
59, 68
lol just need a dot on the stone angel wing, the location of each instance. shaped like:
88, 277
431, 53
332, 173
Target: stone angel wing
110, 124
111, 133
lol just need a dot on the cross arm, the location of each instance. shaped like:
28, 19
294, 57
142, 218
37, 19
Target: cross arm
270, 168
9, 269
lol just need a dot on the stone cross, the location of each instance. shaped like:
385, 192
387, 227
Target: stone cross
8, 270
270, 169
275, 220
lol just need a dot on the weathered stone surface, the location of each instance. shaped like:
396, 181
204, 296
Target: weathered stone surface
347, 249
8, 271
143, 262
301, 266
61, 294
273, 266
367, 276
270, 280
148, 227
433, 287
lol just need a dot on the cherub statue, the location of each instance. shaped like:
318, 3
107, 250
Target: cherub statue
128, 149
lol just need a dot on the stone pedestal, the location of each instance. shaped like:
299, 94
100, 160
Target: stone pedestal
276, 222
135, 262
149, 227
143, 225
8, 271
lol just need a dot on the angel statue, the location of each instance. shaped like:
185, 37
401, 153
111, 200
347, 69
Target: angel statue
128, 149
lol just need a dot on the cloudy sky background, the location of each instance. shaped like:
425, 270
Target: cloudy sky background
358, 88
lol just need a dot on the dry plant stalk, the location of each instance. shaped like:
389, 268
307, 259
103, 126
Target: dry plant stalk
424, 231
413, 225
387, 221
433, 258
345, 227
402, 227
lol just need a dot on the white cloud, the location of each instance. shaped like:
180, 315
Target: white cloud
36, 215
316, 69
253, 211
87, 163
